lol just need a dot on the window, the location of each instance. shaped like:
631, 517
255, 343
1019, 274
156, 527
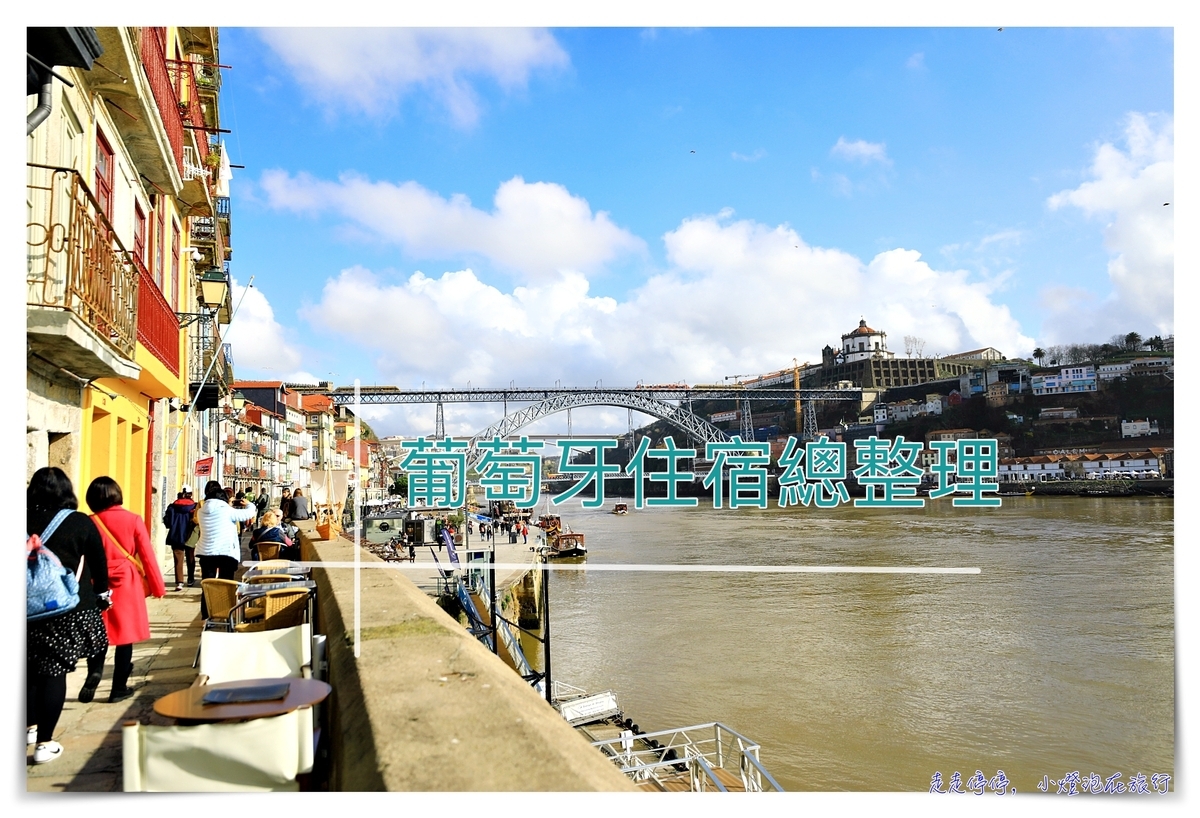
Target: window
160, 254
175, 264
139, 234
104, 175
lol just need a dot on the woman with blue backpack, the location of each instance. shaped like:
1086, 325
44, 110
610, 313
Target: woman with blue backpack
66, 588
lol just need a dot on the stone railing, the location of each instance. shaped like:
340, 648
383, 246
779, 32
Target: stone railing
425, 707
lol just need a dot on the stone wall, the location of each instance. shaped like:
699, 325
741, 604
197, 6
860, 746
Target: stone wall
428, 708
53, 420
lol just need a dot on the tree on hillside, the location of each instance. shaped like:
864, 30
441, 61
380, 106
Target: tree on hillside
1039, 354
1133, 341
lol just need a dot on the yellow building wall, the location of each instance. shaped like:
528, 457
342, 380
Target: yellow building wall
114, 436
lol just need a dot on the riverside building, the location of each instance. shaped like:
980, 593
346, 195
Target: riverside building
127, 278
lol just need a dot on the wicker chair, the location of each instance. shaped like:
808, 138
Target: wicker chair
256, 609
268, 550
283, 608
267, 566
220, 598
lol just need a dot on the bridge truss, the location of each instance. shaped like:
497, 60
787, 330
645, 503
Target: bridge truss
668, 403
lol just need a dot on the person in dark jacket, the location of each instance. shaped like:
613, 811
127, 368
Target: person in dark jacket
180, 521
271, 532
299, 508
53, 646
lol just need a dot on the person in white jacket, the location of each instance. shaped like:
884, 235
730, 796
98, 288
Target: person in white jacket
220, 547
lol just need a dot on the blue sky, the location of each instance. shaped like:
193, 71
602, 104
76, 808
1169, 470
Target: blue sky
486, 206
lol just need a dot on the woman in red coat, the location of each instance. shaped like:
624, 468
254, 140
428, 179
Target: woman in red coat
132, 576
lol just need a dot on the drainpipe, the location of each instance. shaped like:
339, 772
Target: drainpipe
45, 101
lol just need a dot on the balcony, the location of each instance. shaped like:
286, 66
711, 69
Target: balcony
157, 324
81, 283
154, 60
211, 366
183, 79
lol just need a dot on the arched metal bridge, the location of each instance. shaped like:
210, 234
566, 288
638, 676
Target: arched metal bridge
670, 403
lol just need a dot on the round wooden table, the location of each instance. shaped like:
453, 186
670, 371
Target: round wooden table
186, 704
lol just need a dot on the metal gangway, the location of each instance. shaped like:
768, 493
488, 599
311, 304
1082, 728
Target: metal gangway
700, 758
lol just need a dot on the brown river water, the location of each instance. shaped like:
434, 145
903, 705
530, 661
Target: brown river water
1058, 656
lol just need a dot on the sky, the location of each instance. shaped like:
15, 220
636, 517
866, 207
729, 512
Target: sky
537, 206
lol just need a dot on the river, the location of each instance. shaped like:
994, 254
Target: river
1058, 656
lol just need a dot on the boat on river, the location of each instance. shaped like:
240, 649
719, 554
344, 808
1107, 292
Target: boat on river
561, 544
621, 508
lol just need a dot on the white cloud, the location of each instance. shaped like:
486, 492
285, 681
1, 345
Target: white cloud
738, 297
370, 70
753, 157
860, 151
1002, 237
916, 61
259, 342
1128, 189
535, 230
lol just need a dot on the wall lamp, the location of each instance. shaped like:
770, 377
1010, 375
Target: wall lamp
214, 287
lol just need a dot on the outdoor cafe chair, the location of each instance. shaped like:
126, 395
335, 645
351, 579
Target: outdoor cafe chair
259, 755
282, 608
220, 597
280, 653
284, 653
268, 551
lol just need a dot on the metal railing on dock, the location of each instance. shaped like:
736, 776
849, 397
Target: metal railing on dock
706, 757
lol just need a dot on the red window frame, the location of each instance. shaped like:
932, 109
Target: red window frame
160, 255
105, 159
139, 233
175, 264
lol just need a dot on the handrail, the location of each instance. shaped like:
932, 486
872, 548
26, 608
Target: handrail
84, 267
758, 765
709, 772
707, 752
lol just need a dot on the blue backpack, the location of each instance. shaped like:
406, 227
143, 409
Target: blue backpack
50, 589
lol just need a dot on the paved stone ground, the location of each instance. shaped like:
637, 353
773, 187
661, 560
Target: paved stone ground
91, 733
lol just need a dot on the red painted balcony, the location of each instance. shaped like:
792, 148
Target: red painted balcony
157, 324
154, 60
183, 76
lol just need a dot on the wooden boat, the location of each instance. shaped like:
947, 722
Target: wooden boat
621, 508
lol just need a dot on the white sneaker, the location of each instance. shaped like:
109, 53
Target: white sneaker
178, 586
47, 751
31, 736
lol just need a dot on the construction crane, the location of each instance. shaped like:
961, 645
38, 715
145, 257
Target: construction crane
747, 419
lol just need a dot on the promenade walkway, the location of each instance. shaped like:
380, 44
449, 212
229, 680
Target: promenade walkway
91, 733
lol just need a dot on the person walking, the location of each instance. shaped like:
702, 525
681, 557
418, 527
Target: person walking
219, 548
261, 501
133, 575
54, 645
180, 522
524, 534
240, 502
299, 507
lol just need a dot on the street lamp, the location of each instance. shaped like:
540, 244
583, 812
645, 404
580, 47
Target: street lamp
214, 287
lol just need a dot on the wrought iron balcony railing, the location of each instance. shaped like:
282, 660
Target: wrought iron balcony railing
183, 79
157, 324
75, 260
153, 47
